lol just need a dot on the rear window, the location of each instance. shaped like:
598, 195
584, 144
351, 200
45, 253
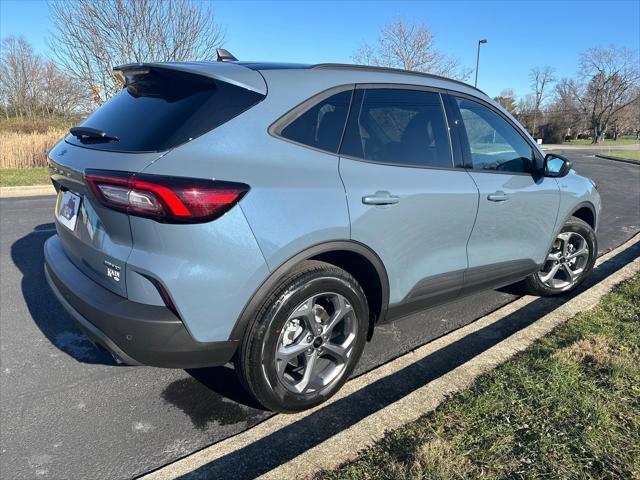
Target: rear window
162, 109
321, 125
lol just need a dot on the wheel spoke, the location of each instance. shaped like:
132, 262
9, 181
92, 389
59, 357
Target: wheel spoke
573, 274
546, 277
578, 253
565, 242
338, 352
553, 257
342, 309
309, 372
291, 351
307, 313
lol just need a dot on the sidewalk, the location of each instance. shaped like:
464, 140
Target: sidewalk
27, 191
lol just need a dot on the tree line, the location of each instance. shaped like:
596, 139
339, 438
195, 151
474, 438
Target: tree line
602, 100
90, 37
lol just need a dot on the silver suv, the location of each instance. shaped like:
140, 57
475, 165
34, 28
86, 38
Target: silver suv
272, 214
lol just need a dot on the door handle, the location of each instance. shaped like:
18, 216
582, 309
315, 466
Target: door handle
380, 198
498, 196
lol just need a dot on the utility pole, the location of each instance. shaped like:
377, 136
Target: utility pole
480, 42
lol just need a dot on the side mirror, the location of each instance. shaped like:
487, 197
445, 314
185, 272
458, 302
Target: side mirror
556, 166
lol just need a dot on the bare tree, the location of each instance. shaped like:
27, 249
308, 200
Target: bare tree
507, 99
609, 80
19, 69
524, 111
540, 79
93, 36
409, 46
33, 86
564, 108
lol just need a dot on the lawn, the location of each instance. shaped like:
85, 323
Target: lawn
10, 177
626, 154
607, 142
568, 407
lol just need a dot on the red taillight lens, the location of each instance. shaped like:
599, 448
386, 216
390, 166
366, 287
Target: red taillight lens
165, 199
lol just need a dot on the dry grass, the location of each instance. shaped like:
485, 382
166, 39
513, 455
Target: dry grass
27, 150
594, 351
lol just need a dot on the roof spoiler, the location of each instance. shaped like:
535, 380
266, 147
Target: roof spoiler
223, 71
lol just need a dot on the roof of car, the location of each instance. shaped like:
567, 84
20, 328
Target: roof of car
346, 66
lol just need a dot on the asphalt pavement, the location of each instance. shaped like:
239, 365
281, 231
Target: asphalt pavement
67, 411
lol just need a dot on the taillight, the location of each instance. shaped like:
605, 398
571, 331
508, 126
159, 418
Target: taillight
165, 199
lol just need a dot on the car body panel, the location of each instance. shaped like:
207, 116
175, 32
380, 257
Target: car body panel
101, 234
425, 234
209, 269
511, 230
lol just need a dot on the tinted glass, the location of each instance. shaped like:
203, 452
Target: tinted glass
163, 109
399, 126
321, 126
494, 143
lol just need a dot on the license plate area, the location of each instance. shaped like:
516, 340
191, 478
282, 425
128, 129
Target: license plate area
68, 208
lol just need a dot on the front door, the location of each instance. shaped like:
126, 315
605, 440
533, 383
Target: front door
518, 206
406, 199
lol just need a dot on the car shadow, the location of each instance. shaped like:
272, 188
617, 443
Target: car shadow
268, 452
47, 313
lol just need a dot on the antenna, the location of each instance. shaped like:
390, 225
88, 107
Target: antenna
224, 55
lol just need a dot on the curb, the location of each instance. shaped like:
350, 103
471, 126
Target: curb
616, 159
345, 445
27, 191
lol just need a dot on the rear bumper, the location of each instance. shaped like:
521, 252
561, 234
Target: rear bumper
135, 333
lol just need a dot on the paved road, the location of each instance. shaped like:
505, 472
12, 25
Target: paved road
68, 412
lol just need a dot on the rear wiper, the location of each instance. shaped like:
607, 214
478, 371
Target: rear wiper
91, 134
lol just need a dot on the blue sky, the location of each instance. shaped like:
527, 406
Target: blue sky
521, 34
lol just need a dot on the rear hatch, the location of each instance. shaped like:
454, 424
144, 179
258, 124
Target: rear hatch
161, 107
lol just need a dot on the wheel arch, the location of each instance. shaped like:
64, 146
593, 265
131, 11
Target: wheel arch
354, 257
584, 211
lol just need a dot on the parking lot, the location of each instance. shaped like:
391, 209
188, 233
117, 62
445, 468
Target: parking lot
70, 412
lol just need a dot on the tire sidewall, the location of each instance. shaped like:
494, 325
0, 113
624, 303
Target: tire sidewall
270, 388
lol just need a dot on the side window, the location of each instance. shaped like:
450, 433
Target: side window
400, 126
321, 126
494, 143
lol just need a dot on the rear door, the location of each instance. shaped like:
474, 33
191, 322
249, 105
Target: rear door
518, 206
161, 107
407, 200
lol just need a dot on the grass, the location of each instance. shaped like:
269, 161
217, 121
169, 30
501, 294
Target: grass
626, 154
568, 407
39, 124
607, 142
10, 177
26, 150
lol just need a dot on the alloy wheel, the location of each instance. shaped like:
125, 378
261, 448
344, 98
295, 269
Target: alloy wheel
315, 343
566, 261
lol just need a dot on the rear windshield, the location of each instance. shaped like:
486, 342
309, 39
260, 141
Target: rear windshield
162, 109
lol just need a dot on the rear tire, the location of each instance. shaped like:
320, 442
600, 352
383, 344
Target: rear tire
568, 262
306, 338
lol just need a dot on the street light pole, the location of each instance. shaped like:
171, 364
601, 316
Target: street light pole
480, 42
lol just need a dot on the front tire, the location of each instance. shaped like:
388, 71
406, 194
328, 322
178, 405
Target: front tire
306, 338
569, 261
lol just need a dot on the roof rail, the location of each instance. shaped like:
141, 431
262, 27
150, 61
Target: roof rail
374, 68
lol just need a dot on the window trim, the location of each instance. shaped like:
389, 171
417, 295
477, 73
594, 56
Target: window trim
276, 128
403, 86
464, 146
